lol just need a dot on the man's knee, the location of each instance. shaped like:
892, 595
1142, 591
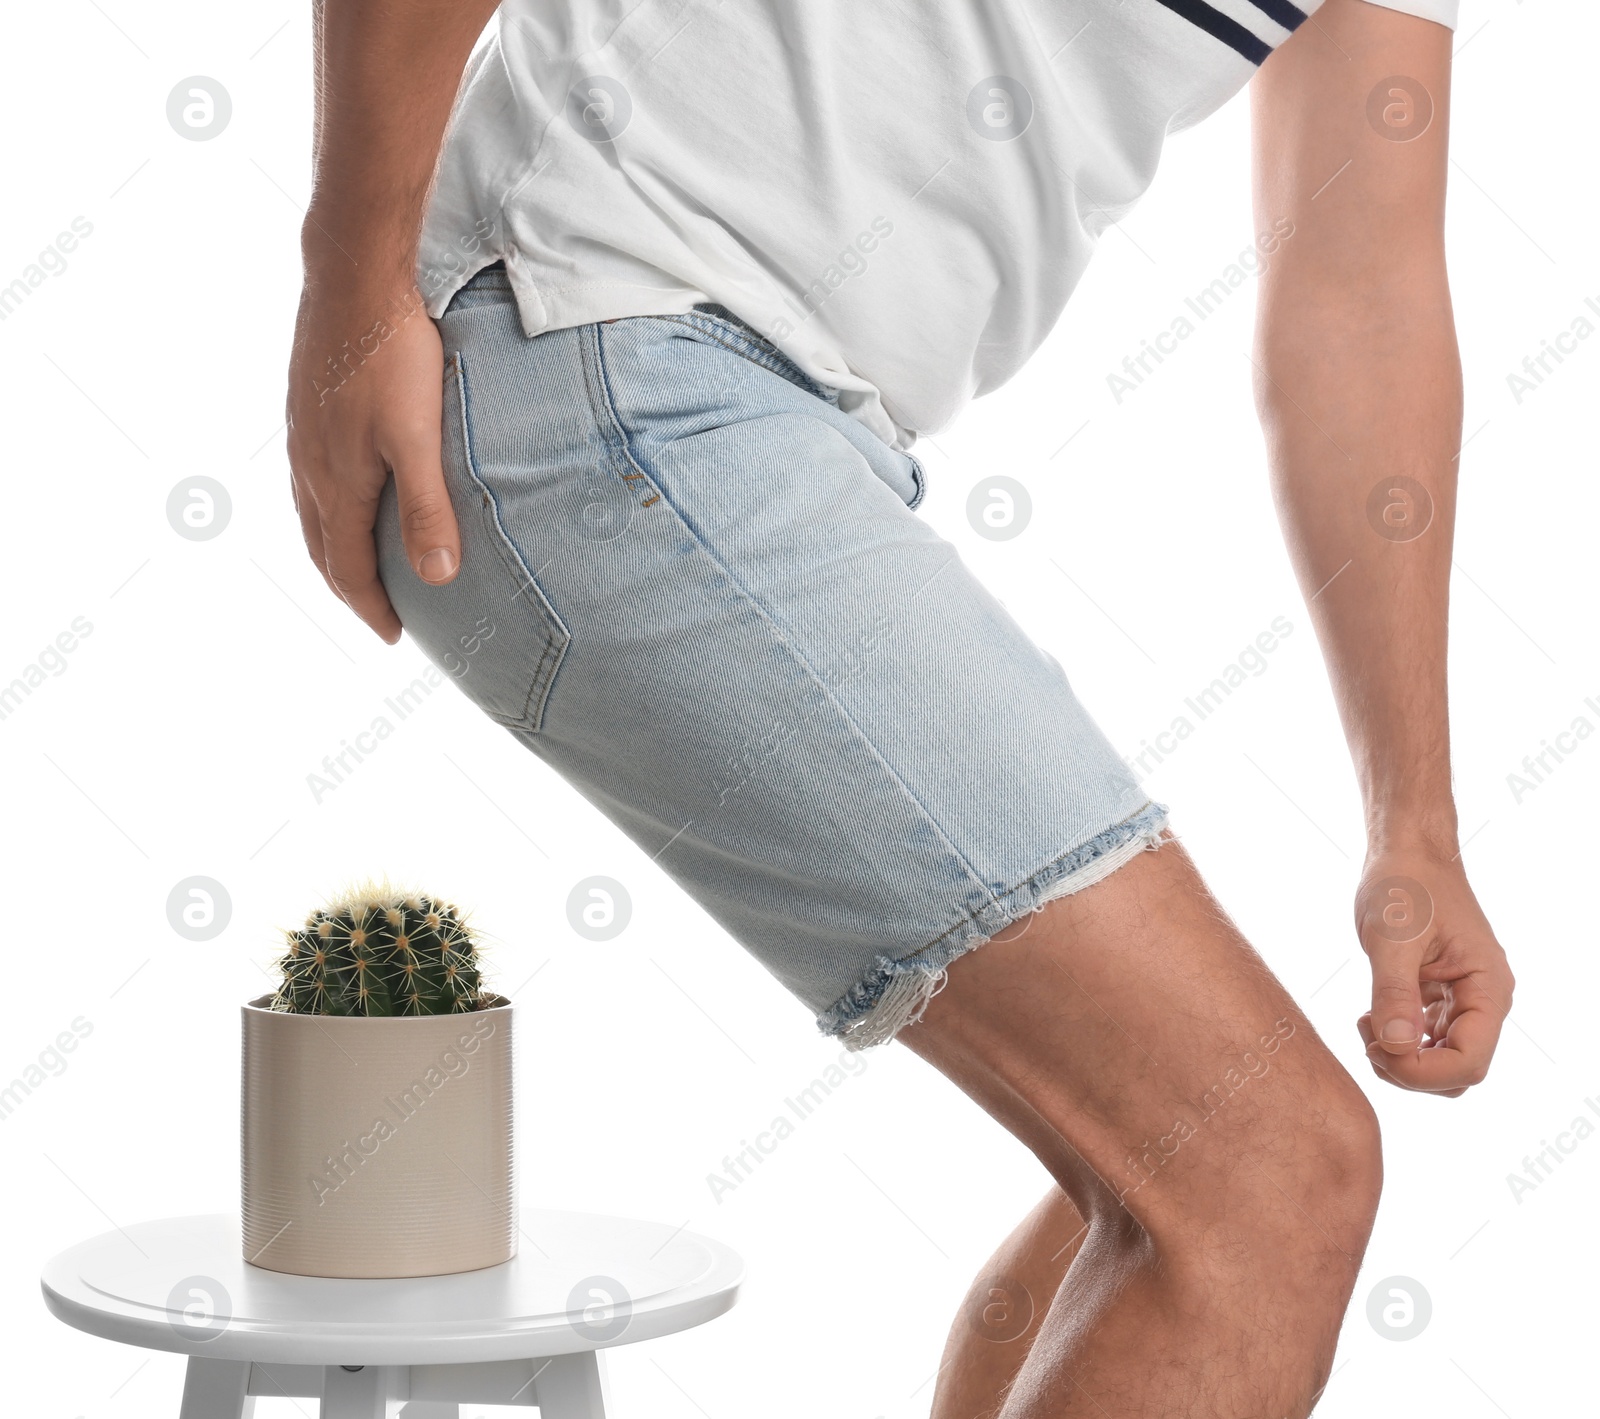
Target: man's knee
1353, 1149
1304, 1202
1288, 1184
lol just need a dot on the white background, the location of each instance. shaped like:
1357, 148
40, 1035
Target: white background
218, 674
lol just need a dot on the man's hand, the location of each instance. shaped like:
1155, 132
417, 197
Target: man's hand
366, 375
354, 417
1441, 987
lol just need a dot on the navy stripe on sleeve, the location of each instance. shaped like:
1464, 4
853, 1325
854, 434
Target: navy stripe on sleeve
1291, 17
1220, 26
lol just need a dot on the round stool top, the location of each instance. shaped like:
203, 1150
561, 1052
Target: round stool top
578, 1283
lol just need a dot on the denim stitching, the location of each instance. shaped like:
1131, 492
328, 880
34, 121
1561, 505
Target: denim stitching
511, 555
780, 364
919, 476
743, 344
610, 410
732, 337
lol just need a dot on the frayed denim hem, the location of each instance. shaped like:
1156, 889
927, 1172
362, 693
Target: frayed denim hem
893, 994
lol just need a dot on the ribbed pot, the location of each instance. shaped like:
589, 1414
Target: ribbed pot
378, 1146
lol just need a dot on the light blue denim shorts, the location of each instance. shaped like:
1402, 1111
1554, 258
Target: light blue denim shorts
697, 589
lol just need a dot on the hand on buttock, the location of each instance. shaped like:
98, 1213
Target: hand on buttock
364, 400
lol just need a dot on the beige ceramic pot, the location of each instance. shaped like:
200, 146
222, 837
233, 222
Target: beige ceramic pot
378, 1147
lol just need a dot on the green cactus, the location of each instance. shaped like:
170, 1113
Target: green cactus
380, 952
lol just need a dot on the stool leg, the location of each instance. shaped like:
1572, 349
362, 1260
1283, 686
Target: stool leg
215, 1389
572, 1387
364, 1392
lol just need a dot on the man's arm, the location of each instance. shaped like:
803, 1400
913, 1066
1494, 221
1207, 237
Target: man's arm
366, 372
1359, 390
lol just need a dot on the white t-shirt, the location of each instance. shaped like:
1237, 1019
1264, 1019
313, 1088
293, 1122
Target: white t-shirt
900, 194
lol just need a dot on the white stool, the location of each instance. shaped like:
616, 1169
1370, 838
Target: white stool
529, 1332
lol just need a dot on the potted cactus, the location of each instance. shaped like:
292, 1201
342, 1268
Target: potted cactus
376, 1130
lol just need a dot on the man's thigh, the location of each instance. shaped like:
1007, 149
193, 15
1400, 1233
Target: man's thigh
1132, 1038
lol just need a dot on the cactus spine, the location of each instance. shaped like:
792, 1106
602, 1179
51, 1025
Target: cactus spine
379, 952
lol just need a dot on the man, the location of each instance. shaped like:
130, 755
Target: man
699, 274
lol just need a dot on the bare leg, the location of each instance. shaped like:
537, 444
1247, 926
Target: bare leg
1226, 1165
1003, 1311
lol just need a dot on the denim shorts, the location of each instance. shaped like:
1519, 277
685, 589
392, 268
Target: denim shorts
695, 587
